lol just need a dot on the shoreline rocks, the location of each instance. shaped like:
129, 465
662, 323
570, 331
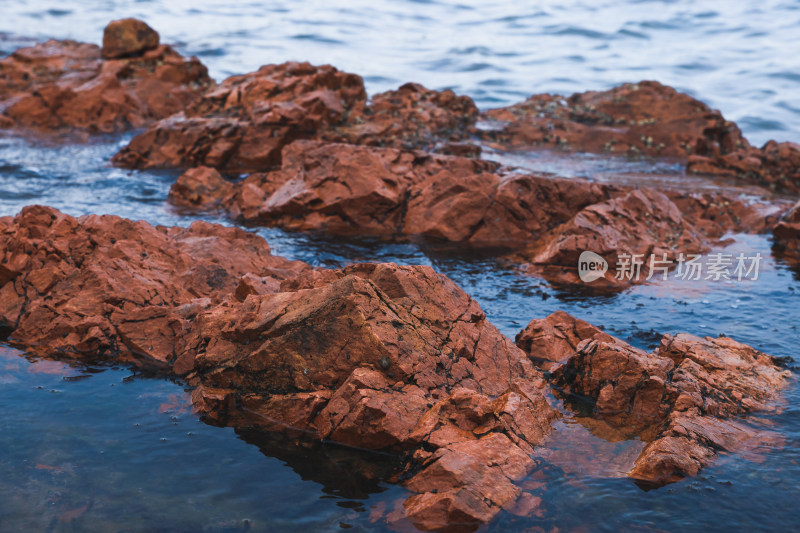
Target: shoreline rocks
644, 119
545, 223
71, 87
686, 399
374, 355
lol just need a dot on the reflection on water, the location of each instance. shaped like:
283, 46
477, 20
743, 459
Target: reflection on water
99, 449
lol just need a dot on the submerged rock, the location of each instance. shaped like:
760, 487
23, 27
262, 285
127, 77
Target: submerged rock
69, 86
375, 356
645, 118
547, 222
685, 399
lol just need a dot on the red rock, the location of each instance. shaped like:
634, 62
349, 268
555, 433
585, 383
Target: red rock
348, 189
67, 86
786, 236
116, 289
200, 188
373, 356
686, 398
128, 37
550, 341
245, 122
774, 166
644, 118
407, 361
649, 119
414, 117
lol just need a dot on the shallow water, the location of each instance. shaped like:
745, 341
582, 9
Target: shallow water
94, 450
741, 57
99, 449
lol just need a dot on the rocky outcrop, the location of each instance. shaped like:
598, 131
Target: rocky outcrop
649, 119
242, 125
775, 166
786, 236
413, 117
547, 222
107, 287
646, 118
686, 398
348, 189
645, 226
60, 86
374, 355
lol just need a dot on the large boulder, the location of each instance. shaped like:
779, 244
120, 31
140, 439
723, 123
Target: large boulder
128, 37
686, 399
69, 86
376, 356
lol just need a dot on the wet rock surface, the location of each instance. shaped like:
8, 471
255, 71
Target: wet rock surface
686, 399
242, 125
546, 222
786, 236
67, 86
374, 356
643, 119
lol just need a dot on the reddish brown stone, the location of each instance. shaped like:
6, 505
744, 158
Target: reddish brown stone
348, 189
373, 356
66, 85
774, 166
639, 225
414, 117
116, 289
786, 236
244, 122
128, 37
550, 341
644, 118
686, 398
649, 119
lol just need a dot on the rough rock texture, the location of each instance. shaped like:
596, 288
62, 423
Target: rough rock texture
547, 222
414, 117
786, 236
643, 118
107, 287
373, 356
66, 85
348, 189
244, 123
684, 399
128, 37
382, 357
550, 341
646, 118
775, 165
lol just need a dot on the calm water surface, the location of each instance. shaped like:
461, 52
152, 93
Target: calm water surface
104, 449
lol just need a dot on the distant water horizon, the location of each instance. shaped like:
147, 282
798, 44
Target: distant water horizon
742, 58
